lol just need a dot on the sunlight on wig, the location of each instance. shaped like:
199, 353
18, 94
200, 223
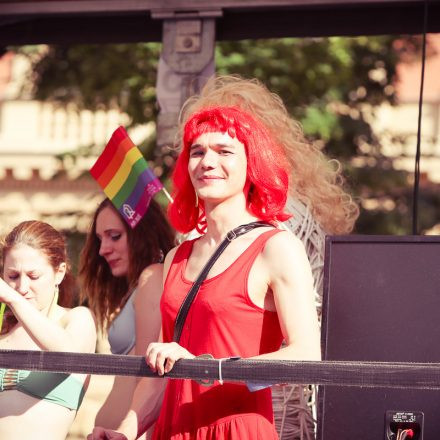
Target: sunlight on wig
315, 180
267, 168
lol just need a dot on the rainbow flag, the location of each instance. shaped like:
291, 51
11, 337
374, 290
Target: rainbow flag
123, 173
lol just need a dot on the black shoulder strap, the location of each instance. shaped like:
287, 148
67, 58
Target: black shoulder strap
184, 308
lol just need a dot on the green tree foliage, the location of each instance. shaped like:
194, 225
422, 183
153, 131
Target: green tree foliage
331, 85
100, 76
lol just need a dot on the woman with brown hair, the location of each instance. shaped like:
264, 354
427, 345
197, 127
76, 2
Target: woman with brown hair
37, 289
121, 275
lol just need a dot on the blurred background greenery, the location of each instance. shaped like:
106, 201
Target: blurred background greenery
333, 86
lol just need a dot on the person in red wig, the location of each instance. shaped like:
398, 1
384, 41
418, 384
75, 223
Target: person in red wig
319, 200
230, 172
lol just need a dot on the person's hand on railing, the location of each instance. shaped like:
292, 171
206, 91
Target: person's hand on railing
161, 357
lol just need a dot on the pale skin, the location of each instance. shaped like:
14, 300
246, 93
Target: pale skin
28, 289
114, 248
217, 167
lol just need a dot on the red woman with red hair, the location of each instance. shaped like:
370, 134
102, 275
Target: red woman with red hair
258, 293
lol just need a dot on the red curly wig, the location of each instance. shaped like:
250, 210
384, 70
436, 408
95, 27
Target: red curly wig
267, 168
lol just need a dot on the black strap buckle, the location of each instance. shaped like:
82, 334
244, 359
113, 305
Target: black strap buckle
231, 235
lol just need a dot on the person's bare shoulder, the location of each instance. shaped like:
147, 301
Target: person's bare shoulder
79, 314
149, 288
151, 273
283, 242
81, 323
285, 252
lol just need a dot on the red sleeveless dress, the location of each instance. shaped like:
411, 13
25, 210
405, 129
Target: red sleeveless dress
225, 322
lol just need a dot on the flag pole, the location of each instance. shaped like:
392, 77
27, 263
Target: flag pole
167, 194
2, 312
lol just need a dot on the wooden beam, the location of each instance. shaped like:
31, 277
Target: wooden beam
115, 21
26, 7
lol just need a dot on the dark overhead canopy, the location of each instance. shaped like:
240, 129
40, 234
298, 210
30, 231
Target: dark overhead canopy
113, 21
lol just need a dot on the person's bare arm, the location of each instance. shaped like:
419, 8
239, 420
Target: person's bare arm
145, 407
147, 307
147, 397
76, 331
290, 279
143, 412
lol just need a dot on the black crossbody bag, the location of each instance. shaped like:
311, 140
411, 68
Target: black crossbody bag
186, 304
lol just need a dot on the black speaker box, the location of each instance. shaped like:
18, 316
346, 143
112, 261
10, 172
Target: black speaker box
381, 303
